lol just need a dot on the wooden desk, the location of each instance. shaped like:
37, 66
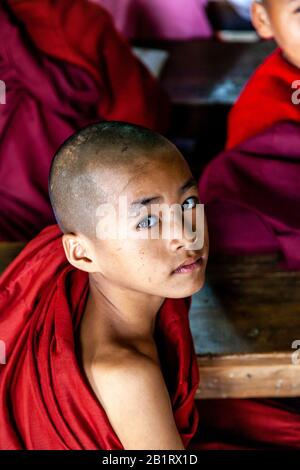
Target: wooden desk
244, 323
210, 72
203, 79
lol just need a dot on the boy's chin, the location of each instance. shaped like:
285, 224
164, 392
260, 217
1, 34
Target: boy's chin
189, 290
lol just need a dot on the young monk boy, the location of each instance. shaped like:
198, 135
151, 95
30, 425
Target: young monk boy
272, 94
99, 353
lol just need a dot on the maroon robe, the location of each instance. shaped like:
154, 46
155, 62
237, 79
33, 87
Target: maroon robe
46, 401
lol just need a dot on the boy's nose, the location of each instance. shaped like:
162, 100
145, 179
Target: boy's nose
182, 233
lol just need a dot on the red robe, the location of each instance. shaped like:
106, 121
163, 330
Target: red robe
252, 199
46, 401
46, 101
83, 34
265, 101
244, 424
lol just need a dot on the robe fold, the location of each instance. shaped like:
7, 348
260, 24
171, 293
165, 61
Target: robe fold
46, 102
252, 198
83, 34
53, 91
266, 100
248, 424
46, 401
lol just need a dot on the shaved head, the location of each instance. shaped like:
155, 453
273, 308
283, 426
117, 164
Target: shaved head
86, 163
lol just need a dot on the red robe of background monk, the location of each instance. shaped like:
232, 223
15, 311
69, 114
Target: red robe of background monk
272, 94
266, 100
83, 34
75, 70
248, 188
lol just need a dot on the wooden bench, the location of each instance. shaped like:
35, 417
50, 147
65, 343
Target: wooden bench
209, 73
244, 322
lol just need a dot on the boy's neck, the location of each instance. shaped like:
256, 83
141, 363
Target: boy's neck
114, 315
287, 60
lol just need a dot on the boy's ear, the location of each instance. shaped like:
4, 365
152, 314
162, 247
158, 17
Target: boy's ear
78, 252
261, 20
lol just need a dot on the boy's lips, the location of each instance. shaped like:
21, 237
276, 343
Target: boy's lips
189, 264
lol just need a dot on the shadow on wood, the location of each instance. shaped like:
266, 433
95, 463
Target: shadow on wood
244, 323
8, 251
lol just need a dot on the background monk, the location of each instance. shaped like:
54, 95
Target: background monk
248, 188
47, 101
83, 34
64, 66
267, 98
99, 350
167, 20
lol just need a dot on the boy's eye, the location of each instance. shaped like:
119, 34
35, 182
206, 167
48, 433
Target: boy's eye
191, 204
297, 10
144, 223
151, 220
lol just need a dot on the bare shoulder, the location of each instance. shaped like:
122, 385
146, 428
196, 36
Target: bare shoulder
131, 389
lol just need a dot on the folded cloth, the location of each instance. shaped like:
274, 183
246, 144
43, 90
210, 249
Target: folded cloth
245, 424
46, 101
83, 34
252, 199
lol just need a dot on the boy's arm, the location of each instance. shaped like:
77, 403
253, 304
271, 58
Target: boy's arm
136, 400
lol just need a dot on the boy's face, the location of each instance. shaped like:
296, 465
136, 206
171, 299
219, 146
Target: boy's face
145, 259
280, 19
